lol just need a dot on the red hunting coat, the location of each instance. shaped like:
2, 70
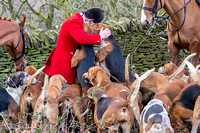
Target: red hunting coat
70, 36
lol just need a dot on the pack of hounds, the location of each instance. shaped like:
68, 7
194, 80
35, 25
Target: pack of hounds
117, 101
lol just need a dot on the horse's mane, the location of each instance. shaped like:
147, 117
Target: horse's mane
6, 19
10, 20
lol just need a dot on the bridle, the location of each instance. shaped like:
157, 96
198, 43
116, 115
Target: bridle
19, 57
24, 44
23, 52
154, 11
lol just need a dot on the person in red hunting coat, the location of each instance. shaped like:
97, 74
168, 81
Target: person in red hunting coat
70, 36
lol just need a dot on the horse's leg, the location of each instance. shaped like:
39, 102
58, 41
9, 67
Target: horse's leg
195, 48
173, 53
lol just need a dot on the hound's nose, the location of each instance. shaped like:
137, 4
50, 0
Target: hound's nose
160, 69
83, 76
86, 80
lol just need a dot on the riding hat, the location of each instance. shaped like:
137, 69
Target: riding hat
95, 13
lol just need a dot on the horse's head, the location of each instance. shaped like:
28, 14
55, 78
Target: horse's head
149, 9
93, 28
18, 51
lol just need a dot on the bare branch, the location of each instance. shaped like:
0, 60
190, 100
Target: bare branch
34, 11
19, 10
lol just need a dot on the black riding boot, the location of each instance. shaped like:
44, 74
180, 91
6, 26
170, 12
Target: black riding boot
198, 2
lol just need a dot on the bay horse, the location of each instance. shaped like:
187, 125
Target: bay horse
13, 37
183, 27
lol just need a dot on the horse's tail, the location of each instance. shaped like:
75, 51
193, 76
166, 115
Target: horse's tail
23, 21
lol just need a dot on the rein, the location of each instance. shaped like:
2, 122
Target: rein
154, 11
23, 52
177, 29
9, 72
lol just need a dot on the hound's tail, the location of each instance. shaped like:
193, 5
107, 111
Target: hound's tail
193, 71
181, 67
136, 84
23, 21
134, 91
127, 80
32, 77
44, 93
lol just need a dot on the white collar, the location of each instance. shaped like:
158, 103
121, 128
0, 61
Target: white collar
84, 20
83, 16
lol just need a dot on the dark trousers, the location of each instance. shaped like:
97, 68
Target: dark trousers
198, 2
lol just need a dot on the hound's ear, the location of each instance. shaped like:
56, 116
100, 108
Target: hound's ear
92, 75
22, 76
14, 82
149, 124
174, 66
63, 79
171, 69
90, 90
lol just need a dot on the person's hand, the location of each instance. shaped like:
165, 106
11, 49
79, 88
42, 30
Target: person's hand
104, 33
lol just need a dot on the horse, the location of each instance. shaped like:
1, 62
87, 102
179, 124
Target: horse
13, 37
183, 27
